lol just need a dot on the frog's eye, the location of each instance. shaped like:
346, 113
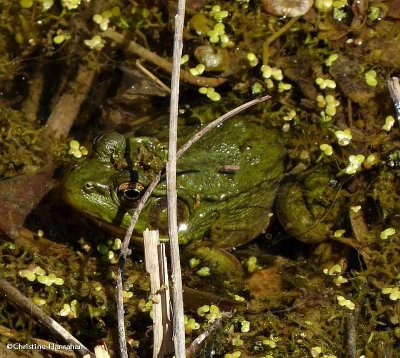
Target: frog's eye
129, 192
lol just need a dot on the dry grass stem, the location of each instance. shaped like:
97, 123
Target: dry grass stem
176, 275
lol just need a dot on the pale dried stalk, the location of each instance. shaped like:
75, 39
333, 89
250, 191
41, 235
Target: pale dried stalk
165, 300
151, 241
155, 260
394, 89
177, 296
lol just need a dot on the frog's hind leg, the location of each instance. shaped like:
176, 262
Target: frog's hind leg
221, 263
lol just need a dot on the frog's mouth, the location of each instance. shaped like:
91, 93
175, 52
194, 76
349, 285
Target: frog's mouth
116, 230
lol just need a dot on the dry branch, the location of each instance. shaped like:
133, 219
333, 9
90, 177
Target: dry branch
67, 108
161, 62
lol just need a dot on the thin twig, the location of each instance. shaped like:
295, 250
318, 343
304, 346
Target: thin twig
21, 301
275, 36
177, 296
351, 323
217, 122
161, 62
121, 263
141, 203
152, 76
194, 346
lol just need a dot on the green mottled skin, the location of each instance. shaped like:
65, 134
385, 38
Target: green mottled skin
225, 208
303, 204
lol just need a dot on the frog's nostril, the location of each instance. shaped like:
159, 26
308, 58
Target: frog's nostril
88, 186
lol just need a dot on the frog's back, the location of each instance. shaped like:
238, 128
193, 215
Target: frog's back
231, 175
233, 158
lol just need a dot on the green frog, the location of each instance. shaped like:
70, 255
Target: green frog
226, 184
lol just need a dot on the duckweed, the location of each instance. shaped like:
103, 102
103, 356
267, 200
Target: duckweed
210, 93
339, 280
331, 59
185, 59
213, 314
385, 234
326, 149
61, 37
201, 311
237, 341
203, 272
198, 70
325, 83
244, 326
271, 341
251, 264
256, 88
194, 262
239, 298
355, 162
334, 270
343, 302
95, 43
323, 5
393, 292
274, 72
235, 354
71, 4
282, 87
71, 310
26, 4
344, 137
339, 233
389, 122
190, 324
252, 58
373, 13
102, 21
370, 78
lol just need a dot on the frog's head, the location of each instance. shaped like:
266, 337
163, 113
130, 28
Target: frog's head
107, 185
